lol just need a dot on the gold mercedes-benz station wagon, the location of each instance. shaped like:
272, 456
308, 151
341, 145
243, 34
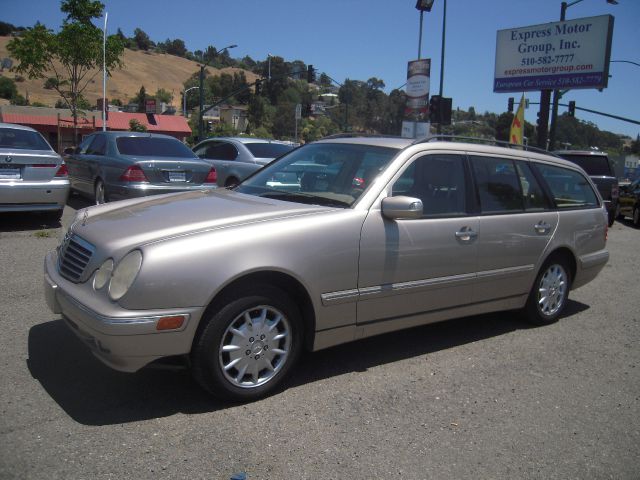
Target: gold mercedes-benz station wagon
338, 240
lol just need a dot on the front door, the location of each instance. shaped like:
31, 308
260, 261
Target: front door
409, 268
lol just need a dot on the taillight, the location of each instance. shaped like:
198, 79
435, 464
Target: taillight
133, 174
62, 171
614, 191
212, 176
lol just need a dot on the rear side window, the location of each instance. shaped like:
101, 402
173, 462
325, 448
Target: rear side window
570, 189
220, 151
498, 185
534, 198
267, 150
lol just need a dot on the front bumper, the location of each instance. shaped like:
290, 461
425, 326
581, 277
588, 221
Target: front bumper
125, 340
20, 196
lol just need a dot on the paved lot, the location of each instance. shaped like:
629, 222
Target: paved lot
480, 397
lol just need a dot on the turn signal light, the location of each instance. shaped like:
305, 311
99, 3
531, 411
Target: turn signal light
170, 323
212, 176
133, 174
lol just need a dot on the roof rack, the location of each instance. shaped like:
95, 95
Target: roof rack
485, 141
358, 134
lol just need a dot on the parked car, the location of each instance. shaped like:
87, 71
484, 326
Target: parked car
598, 166
118, 165
245, 278
235, 158
33, 176
630, 202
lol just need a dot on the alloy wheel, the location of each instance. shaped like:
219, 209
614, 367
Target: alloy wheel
552, 290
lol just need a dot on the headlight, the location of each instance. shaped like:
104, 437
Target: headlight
124, 274
103, 274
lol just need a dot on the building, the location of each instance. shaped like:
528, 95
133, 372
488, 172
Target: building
56, 124
234, 115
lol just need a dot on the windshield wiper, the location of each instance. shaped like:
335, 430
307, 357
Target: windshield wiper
305, 198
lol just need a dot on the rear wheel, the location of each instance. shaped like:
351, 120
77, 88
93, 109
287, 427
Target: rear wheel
100, 193
246, 349
549, 294
231, 182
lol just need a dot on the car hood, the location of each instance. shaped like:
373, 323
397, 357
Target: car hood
135, 222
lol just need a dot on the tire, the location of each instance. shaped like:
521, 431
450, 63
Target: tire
554, 277
246, 350
636, 217
611, 217
100, 193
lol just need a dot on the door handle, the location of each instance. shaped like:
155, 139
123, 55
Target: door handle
465, 234
542, 227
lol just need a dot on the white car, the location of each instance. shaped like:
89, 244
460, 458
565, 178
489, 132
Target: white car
33, 177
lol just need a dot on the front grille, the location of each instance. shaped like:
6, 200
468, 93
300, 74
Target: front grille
74, 255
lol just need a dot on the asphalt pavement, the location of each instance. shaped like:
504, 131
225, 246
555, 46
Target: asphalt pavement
480, 397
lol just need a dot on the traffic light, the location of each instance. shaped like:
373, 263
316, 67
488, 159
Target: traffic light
572, 108
258, 87
311, 74
445, 110
510, 104
434, 109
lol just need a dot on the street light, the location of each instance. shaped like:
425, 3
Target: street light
201, 86
556, 93
423, 6
184, 100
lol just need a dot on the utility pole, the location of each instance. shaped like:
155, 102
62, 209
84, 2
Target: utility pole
200, 125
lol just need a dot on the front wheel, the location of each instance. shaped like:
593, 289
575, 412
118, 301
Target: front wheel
245, 350
549, 294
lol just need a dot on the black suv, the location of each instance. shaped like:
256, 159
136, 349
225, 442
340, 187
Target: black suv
599, 168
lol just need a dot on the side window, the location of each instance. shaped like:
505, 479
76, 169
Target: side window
534, 198
437, 180
98, 146
201, 151
84, 145
498, 185
221, 151
570, 189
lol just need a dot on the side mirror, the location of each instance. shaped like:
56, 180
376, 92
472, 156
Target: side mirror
402, 208
69, 150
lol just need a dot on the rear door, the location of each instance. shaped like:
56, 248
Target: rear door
516, 223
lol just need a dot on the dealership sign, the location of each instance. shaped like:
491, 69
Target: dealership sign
418, 79
561, 55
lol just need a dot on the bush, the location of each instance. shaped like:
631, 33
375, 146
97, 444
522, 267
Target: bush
8, 88
51, 83
19, 78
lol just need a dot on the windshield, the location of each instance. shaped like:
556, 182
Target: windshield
22, 139
320, 174
153, 147
268, 150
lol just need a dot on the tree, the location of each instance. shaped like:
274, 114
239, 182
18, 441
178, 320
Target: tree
136, 126
73, 55
141, 99
8, 88
163, 95
142, 40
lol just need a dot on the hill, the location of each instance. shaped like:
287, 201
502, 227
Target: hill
153, 70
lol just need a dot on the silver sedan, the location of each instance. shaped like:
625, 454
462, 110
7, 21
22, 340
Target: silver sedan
33, 176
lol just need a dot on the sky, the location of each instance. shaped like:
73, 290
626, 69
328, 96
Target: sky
361, 39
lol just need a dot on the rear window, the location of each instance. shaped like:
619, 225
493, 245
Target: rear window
153, 147
268, 150
592, 164
22, 139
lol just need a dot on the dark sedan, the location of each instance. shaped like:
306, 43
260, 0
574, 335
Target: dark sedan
117, 165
